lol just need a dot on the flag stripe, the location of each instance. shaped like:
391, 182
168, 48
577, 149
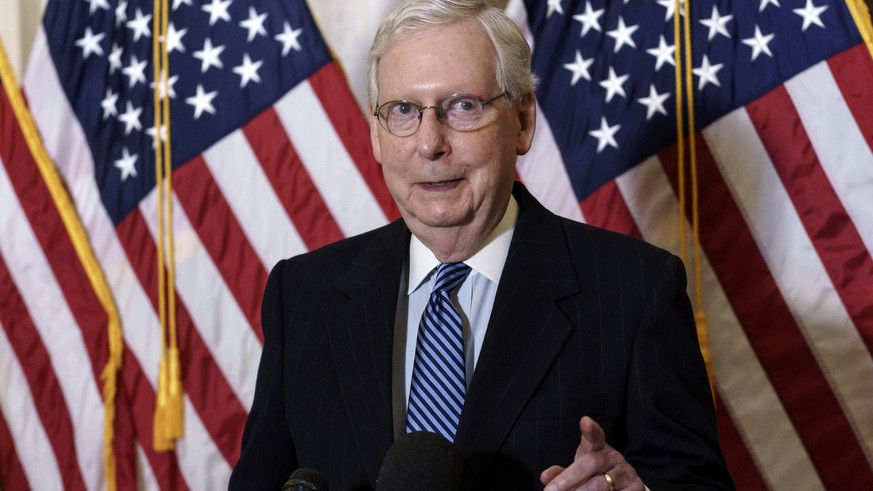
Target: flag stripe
745, 388
833, 234
266, 224
293, 187
341, 108
33, 448
344, 190
221, 234
11, 470
744, 469
211, 390
771, 328
125, 444
852, 71
849, 165
42, 383
542, 170
606, 208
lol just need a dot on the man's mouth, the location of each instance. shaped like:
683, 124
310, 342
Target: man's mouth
440, 185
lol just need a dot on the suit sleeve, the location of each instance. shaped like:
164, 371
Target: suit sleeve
267, 456
672, 431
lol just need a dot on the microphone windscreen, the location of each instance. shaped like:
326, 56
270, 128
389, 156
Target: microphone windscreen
308, 479
421, 461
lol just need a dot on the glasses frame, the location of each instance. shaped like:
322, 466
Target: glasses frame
440, 113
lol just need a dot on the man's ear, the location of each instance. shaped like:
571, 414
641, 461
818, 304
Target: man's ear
374, 134
527, 118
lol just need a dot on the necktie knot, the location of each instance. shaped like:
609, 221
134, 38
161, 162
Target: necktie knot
449, 276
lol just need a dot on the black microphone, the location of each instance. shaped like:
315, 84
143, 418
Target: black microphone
304, 479
421, 461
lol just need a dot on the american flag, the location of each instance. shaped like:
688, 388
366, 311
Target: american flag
271, 157
783, 96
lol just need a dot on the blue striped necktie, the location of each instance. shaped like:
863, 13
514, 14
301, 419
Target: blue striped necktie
438, 377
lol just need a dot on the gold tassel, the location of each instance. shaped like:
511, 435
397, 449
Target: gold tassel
161, 438
175, 398
703, 340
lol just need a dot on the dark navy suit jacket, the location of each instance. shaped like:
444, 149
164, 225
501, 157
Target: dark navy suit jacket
585, 322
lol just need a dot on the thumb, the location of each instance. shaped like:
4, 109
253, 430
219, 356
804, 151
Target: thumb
593, 438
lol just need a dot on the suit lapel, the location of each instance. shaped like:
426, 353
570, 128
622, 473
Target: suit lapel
361, 336
526, 331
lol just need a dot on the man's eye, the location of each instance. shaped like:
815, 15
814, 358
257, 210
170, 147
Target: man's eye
462, 105
402, 109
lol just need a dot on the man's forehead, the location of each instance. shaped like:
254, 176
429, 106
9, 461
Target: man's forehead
452, 51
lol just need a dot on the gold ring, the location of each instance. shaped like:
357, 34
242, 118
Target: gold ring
609, 481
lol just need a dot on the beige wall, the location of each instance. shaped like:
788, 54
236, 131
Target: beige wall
18, 22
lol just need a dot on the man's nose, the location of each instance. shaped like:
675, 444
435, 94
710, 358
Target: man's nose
431, 134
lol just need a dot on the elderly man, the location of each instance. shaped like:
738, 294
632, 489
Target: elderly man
550, 352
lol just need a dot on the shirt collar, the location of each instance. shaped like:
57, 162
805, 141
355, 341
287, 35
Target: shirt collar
488, 260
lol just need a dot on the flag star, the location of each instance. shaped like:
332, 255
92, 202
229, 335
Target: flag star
670, 5
108, 104
764, 4
165, 88
120, 13
176, 3
579, 68
707, 73
217, 11
130, 118
126, 164
654, 102
152, 133
90, 43
254, 24
115, 58
288, 38
174, 39
136, 71
605, 135
717, 24
140, 25
811, 14
248, 71
622, 35
95, 4
759, 43
202, 101
664, 53
613, 85
589, 19
209, 55
554, 6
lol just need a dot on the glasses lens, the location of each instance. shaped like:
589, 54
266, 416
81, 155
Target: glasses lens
463, 111
399, 117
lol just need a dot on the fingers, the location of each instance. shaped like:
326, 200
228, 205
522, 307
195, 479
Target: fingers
547, 475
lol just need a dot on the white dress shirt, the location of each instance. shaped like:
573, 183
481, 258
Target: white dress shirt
474, 301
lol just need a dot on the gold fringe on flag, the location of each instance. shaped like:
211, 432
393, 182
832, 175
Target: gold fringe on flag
169, 422
683, 44
82, 246
861, 14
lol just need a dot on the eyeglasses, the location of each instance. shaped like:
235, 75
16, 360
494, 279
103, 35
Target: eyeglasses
461, 112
